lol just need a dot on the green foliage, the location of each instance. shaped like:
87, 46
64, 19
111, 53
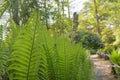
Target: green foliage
108, 37
62, 25
69, 56
117, 37
108, 18
4, 6
115, 57
3, 49
108, 49
20, 10
6, 46
24, 58
35, 55
93, 51
1, 35
89, 40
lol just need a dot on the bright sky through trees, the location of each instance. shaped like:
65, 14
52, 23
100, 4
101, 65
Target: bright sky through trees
76, 5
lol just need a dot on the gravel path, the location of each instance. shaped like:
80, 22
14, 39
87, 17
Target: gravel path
102, 68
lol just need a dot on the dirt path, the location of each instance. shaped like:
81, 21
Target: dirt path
102, 68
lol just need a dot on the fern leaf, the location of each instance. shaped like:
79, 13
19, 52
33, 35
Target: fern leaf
3, 7
6, 42
26, 56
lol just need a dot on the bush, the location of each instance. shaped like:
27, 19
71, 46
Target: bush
89, 40
93, 51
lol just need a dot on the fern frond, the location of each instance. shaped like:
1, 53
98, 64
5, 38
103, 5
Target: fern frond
83, 65
63, 57
26, 56
37, 56
6, 46
3, 7
70, 61
46, 42
1, 35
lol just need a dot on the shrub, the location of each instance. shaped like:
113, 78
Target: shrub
93, 51
89, 40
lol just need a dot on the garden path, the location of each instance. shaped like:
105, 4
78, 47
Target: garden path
102, 68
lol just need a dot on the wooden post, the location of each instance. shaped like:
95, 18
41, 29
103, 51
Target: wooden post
75, 26
75, 21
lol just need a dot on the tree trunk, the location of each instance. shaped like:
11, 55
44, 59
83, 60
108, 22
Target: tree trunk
75, 21
15, 12
68, 9
46, 21
63, 6
97, 18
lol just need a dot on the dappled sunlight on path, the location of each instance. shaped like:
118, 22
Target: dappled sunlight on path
102, 68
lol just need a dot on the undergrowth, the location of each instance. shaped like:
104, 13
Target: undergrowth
30, 53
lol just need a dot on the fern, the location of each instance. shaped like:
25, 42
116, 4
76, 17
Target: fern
83, 65
38, 56
29, 53
3, 7
63, 54
1, 36
6, 46
3, 49
115, 57
26, 58
70, 61
46, 43
65, 61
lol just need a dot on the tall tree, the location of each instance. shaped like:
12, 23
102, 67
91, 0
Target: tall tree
97, 18
68, 6
20, 10
45, 8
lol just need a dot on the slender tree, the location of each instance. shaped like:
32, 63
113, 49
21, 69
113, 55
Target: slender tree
97, 18
46, 11
63, 6
68, 6
20, 10
75, 21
